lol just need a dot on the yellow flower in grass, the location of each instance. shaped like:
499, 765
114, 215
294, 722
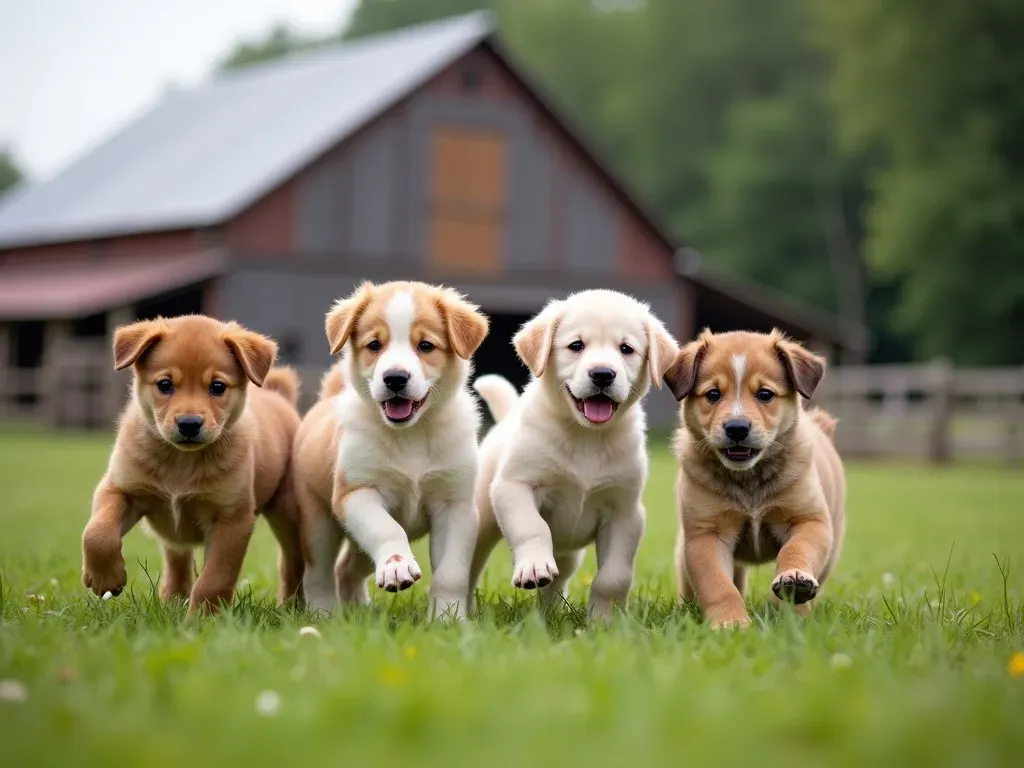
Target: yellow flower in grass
392, 676
410, 652
1016, 665
975, 598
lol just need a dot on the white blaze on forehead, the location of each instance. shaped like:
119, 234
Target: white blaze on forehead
400, 314
739, 364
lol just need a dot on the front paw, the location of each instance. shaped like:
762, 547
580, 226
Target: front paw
397, 573
532, 572
105, 574
795, 586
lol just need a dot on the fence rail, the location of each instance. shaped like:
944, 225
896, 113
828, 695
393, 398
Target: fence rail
928, 412
932, 412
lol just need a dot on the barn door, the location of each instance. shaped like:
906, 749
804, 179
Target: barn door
469, 172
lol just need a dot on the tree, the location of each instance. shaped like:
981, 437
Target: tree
281, 41
9, 172
936, 89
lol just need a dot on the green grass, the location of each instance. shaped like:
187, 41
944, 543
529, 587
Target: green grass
899, 669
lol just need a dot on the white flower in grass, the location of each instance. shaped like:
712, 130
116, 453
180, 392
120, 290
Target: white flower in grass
13, 692
312, 632
268, 703
840, 661
888, 579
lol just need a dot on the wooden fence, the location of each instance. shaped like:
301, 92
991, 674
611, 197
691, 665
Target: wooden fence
918, 412
927, 412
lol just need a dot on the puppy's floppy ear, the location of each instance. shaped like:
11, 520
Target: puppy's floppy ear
255, 353
804, 368
465, 323
533, 341
341, 320
681, 376
661, 351
133, 341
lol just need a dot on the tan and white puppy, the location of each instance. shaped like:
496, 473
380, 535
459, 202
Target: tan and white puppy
390, 453
759, 477
566, 463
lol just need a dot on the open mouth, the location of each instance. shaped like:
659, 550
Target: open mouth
739, 453
400, 409
597, 409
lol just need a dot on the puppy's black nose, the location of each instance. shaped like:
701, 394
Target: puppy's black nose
395, 380
602, 377
189, 426
737, 429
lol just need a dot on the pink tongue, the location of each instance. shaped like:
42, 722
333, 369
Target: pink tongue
398, 408
597, 409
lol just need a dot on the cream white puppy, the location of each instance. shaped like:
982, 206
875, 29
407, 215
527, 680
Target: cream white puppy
566, 464
390, 452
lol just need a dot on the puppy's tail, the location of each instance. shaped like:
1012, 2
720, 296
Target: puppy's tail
826, 422
498, 393
332, 383
285, 381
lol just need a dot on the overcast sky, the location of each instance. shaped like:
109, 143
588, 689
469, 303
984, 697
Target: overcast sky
74, 71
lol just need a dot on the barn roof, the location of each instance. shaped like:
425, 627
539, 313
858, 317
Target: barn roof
203, 155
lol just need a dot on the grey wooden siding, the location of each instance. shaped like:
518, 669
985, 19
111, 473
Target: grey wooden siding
591, 227
372, 196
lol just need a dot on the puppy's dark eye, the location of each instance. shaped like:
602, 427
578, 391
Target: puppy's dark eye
626, 349
165, 386
374, 346
765, 395
713, 395
218, 388
425, 347
576, 346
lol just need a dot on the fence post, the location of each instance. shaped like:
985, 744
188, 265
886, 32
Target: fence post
941, 400
1015, 423
115, 383
53, 373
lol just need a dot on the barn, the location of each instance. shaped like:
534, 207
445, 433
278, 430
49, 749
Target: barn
264, 194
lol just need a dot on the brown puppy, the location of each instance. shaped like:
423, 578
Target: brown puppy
760, 479
198, 454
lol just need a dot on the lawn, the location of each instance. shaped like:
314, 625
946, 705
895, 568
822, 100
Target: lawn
906, 661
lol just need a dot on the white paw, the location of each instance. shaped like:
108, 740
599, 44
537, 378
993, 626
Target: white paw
398, 572
532, 572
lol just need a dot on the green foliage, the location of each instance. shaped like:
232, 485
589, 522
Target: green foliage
937, 90
9, 172
281, 41
907, 669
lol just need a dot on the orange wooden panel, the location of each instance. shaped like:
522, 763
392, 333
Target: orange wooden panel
469, 165
466, 246
468, 198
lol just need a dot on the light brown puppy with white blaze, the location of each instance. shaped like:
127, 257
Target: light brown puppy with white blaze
759, 477
566, 463
390, 453
198, 455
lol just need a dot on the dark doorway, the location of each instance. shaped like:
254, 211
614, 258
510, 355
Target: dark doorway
187, 301
91, 327
28, 345
496, 354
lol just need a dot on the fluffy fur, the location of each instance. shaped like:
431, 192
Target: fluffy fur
566, 464
759, 477
389, 452
198, 455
